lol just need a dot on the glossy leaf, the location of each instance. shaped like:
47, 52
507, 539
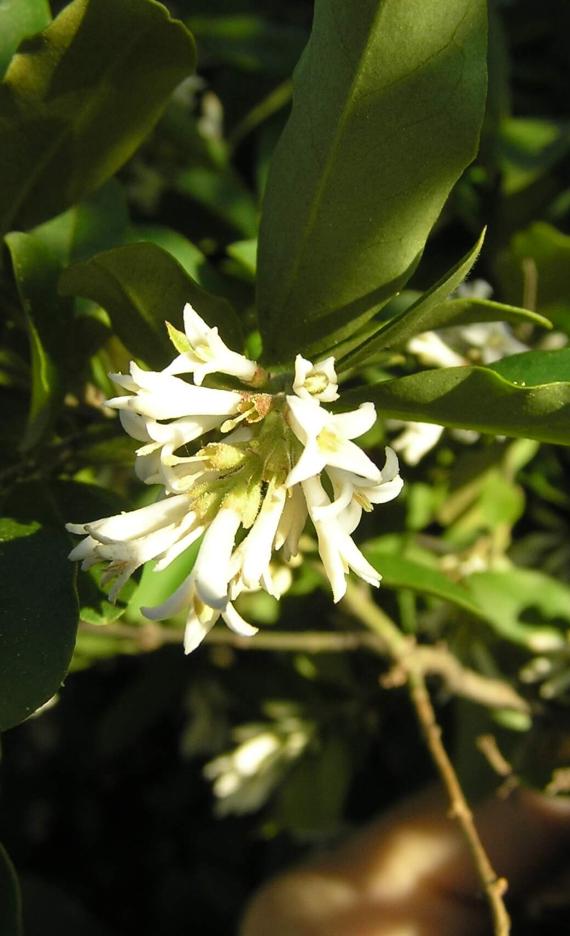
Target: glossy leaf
400, 572
387, 105
19, 19
535, 368
36, 270
473, 398
78, 100
432, 311
10, 900
37, 624
141, 286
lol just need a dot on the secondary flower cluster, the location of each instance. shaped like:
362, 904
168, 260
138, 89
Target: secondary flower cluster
270, 459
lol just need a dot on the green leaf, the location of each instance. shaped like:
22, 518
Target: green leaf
524, 606
432, 311
537, 266
98, 222
38, 617
19, 19
473, 398
388, 101
140, 286
10, 900
36, 270
535, 368
188, 255
79, 99
398, 572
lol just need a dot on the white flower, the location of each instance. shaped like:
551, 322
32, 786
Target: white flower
474, 289
247, 492
315, 381
416, 440
337, 549
245, 777
162, 396
326, 439
203, 352
353, 494
128, 540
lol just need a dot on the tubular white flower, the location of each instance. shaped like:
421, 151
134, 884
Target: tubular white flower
336, 547
326, 439
350, 490
257, 547
213, 563
291, 523
206, 353
162, 396
315, 381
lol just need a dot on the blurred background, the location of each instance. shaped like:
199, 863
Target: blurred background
157, 791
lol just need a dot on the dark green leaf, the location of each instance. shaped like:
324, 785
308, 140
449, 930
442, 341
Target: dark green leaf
432, 311
387, 106
96, 223
222, 193
38, 617
398, 572
474, 398
36, 270
10, 901
535, 368
19, 19
141, 286
78, 100
247, 42
188, 255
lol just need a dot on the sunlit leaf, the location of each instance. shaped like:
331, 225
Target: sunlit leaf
388, 101
474, 398
141, 286
18, 20
78, 100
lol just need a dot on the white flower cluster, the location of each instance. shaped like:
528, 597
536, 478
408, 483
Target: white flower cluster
269, 460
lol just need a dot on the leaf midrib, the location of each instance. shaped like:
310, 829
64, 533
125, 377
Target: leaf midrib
329, 162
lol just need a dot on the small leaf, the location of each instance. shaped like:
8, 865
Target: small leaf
419, 316
178, 339
431, 311
10, 900
387, 105
473, 398
398, 572
524, 606
140, 286
78, 100
38, 619
18, 20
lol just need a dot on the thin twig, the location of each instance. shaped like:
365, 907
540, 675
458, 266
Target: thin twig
495, 887
437, 661
406, 657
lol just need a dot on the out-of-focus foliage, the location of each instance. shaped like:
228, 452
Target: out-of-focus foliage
130, 184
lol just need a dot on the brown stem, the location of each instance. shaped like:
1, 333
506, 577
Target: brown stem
495, 887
